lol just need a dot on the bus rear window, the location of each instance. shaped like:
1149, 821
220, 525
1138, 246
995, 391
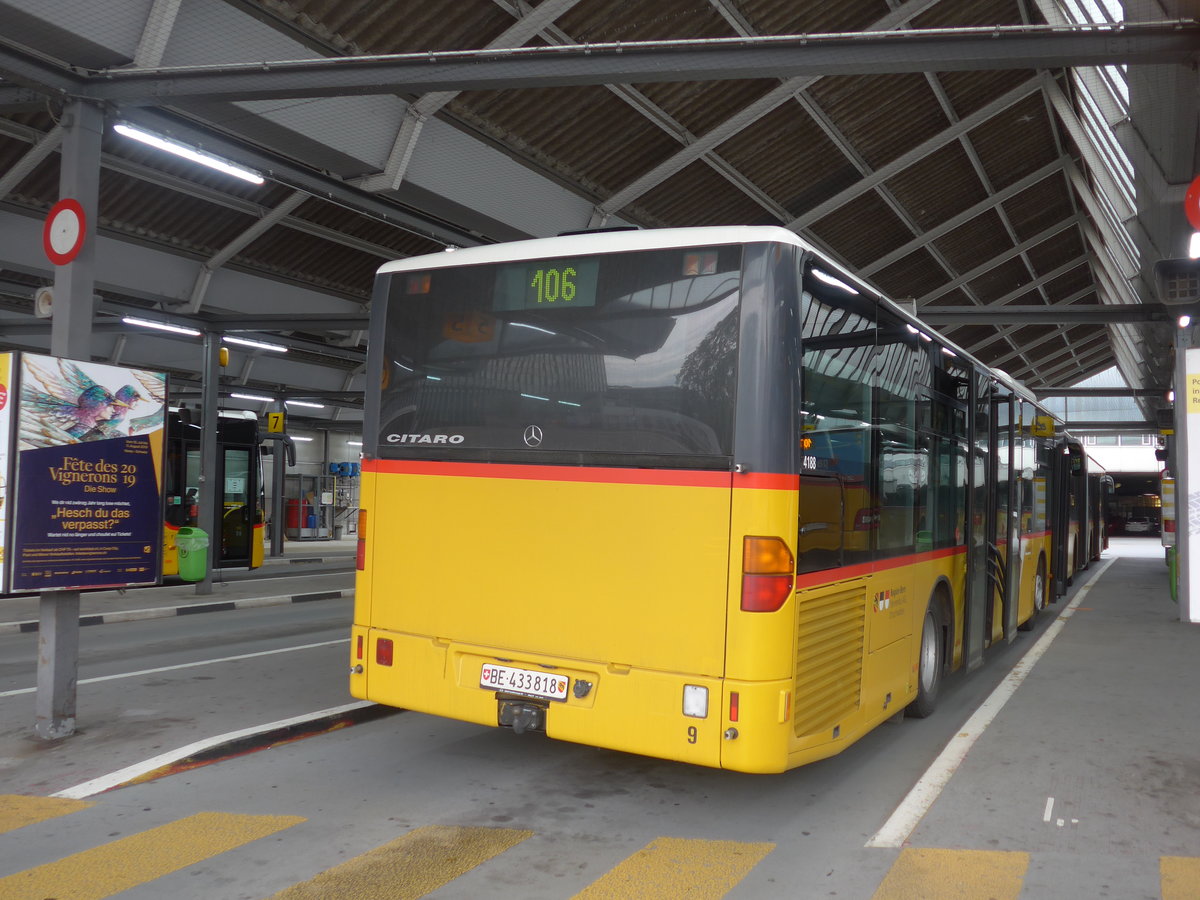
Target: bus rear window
624, 358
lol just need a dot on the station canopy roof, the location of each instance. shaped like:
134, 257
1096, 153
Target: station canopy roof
1013, 167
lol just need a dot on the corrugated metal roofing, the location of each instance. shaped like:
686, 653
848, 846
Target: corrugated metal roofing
821, 144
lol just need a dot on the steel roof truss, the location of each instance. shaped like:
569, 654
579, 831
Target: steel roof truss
160, 22
787, 56
999, 260
963, 217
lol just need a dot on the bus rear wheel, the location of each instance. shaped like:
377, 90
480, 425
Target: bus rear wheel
1039, 596
929, 663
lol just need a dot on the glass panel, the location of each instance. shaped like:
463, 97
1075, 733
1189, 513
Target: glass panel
838, 508
236, 511
617, 355
1002, 415
191, 498
903, 366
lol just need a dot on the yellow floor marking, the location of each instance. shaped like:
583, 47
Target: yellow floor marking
410, 866
120, 865
17, 811
708, 870
1180, 877
954, 875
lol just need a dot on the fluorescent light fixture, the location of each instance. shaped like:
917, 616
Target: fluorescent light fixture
304, 403
257, 345
189, 153
1194, 245
253, 397
1170, 396
303, 439
353, 443
1185, 321
161, 326
949, 352
535, 397
829, 279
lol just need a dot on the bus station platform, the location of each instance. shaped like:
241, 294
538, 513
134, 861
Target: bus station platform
1082, 784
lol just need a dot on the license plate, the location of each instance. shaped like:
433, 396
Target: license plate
524, 681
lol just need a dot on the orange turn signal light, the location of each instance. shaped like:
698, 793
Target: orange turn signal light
766, 556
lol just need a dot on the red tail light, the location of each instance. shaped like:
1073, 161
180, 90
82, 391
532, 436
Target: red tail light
1169, 526
765, 593
383, 651
359, 648
734, 700
360, 550
768, 573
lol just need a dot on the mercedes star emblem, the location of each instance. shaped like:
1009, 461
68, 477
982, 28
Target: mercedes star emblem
533, 436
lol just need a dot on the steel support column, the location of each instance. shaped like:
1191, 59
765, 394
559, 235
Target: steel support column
71, 337
210, 484
278, 486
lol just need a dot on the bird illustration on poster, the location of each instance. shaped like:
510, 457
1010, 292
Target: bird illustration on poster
61, 403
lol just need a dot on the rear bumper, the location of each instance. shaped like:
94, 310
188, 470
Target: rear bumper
618, 707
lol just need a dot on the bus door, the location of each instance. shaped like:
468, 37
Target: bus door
980, 525
1007, 514
239, 500
237, 478
1067, 462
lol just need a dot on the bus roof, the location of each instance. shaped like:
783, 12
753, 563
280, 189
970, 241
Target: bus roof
623, 240
598, 242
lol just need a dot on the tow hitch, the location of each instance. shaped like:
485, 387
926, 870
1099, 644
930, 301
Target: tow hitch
522, 715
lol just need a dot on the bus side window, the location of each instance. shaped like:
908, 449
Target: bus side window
901, 459
838, 508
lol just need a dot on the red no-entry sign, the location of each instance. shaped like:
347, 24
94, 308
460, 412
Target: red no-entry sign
62, 235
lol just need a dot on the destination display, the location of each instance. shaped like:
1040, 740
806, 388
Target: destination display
545, 284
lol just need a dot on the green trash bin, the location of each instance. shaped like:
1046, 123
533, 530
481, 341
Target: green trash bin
192, 544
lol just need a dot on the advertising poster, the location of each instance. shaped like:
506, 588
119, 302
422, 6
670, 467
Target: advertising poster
7, 404
89, 473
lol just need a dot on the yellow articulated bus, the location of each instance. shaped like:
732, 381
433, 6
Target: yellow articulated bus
697, 494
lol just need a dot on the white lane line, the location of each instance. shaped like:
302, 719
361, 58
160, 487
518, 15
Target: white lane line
121, 776
191, 665
1049, 809
923, 794
159, 612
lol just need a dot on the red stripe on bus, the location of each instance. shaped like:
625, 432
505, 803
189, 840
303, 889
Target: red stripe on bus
670, 477
667, 477
769, 481
841, 573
